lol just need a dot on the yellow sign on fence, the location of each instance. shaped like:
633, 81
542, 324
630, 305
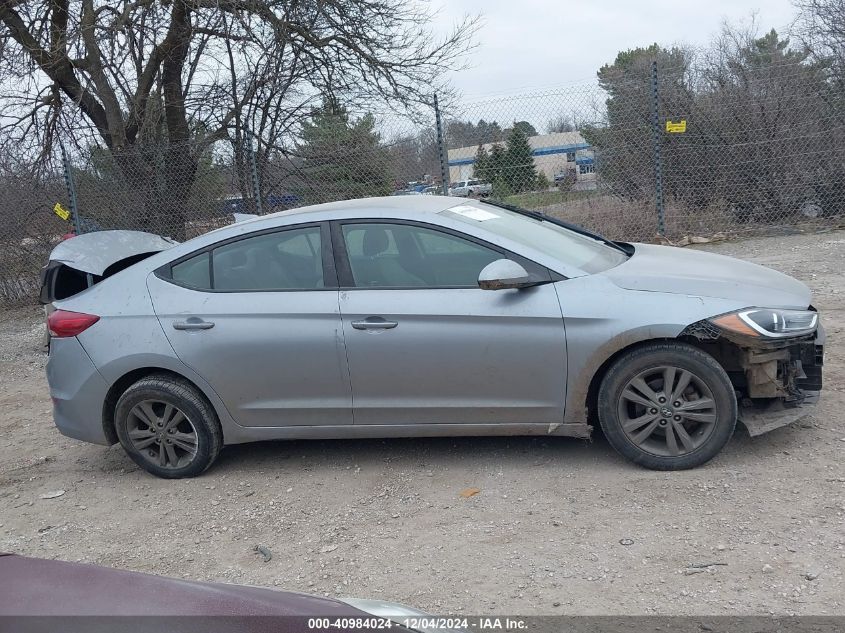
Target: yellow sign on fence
60, 211
676, 128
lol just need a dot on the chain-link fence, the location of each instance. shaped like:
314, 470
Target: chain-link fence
652, 153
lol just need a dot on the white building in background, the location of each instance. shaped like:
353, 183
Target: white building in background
557, 153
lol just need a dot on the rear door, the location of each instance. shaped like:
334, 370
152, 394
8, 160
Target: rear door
258, 318
426, 345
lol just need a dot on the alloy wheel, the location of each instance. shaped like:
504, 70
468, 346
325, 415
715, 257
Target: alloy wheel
162, 434
667, 411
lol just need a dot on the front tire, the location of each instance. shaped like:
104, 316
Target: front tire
167, 427
667, 406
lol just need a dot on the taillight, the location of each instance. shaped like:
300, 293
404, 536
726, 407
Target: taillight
63, 324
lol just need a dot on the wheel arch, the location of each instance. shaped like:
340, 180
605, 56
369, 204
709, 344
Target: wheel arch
725, 353
119, 387
592, 395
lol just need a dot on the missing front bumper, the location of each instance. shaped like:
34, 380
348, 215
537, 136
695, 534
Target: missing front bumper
759, 420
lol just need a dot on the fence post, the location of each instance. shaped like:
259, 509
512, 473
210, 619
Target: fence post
253, 170
658, 160
441, 148
71, 191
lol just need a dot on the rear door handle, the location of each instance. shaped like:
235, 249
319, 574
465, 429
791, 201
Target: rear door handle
374, 323
193, 323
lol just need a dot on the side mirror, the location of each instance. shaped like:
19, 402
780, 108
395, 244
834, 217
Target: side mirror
503, 274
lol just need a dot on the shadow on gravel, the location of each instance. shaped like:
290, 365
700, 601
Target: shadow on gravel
458, 453
439, 453
467, 453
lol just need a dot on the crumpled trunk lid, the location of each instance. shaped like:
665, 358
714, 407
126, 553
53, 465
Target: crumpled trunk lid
84, 260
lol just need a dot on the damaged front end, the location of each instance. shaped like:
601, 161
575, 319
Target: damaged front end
777, 379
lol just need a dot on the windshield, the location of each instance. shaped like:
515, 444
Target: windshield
571, 248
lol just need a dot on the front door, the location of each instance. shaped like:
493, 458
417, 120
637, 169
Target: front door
427, 346
255, 318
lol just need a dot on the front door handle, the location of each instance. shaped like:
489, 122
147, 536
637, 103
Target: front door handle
193, 323
374, 323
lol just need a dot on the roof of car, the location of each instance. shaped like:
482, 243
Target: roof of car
423, 204
415, 204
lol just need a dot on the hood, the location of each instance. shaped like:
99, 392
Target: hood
44, 587
698, 273
95, 252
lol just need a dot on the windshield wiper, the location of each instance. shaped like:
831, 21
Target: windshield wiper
543, 217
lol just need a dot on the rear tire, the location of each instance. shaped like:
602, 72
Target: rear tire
167, 427
677, 428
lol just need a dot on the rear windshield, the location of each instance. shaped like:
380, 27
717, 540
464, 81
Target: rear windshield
572, 249
68, 282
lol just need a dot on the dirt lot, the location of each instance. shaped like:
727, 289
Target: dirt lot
384, 518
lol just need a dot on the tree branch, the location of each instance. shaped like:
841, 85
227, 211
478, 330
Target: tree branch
58, 68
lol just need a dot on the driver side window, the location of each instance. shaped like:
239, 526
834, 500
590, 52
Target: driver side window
384, 255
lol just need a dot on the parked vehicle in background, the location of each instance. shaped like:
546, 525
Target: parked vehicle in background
432, 190
471, 188
417, 186
235, 203
566, 178
425, 316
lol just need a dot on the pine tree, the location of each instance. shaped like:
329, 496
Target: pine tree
525, 127
482, 168
497, 168
498, 160
519, 173
342, 158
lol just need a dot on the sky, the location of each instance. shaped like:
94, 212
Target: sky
527, 45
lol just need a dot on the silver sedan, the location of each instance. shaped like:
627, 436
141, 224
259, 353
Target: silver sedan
419, 316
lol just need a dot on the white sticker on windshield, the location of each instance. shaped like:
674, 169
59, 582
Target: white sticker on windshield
473, 213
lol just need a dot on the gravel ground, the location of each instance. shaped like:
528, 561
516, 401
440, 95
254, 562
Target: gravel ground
560, 526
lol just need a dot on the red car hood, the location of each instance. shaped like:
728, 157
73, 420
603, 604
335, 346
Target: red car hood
38, 587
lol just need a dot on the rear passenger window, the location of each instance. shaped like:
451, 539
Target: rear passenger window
285, 260
192, 272
302, 244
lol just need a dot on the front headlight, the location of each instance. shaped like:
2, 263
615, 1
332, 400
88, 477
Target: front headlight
768, 322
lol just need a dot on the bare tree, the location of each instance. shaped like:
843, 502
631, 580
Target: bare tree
763, 105
763, 132
560, 123
820, 27
179, 75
